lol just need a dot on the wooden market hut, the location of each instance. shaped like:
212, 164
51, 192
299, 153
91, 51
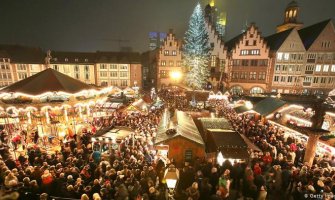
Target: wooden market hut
182, 136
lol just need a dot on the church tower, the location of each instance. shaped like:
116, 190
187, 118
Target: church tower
290, 18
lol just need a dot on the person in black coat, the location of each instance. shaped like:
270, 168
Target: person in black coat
205, 189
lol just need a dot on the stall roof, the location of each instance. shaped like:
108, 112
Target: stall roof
225, 138
48, 80
230, 143
184, 125
268, 106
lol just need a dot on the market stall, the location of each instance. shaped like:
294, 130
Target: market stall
48, 103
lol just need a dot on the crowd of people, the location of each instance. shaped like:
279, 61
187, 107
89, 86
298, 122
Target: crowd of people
134, 171
279, 168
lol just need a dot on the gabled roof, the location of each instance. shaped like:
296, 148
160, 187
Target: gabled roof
118, 57
23, 54
225, 138
309, 34
48, 80
73, 57
229, 143
184, 126
276, 40
230, 44
268, 105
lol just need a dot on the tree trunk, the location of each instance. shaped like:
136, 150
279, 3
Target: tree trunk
311, 149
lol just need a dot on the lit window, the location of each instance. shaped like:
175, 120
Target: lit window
253, 75
213, 61
113, 66
124, 83
308, 79
114, 82
318, 68
286, 56
123, 74
103, 66
256, 90
163, 63
261, 76
279, 56
125, 67
174, 52
309, 67
166, 52
113, 74
333, 68
325, 68
171, 63
103, 74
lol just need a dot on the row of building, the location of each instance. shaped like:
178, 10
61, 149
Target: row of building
123, 69
293, 60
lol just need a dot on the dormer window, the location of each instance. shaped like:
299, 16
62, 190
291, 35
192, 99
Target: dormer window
86, 60
76, 59
66, 60
55, 59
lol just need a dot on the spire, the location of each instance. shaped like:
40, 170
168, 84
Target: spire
290, 17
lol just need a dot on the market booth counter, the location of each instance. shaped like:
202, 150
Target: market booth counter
225, 144
181, 136
109, 138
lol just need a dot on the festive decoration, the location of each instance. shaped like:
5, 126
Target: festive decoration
196, 51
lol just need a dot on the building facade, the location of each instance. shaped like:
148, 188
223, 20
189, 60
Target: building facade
319, 42
77, 65
249, 64
122, 69
19, 62
218, 57
288, 53
169, 61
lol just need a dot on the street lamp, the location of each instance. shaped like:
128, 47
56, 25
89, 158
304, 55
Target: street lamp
175, 75
171, 177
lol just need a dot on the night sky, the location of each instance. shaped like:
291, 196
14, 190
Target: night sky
90, 25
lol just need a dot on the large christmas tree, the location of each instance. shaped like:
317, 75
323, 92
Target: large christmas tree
196, 51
